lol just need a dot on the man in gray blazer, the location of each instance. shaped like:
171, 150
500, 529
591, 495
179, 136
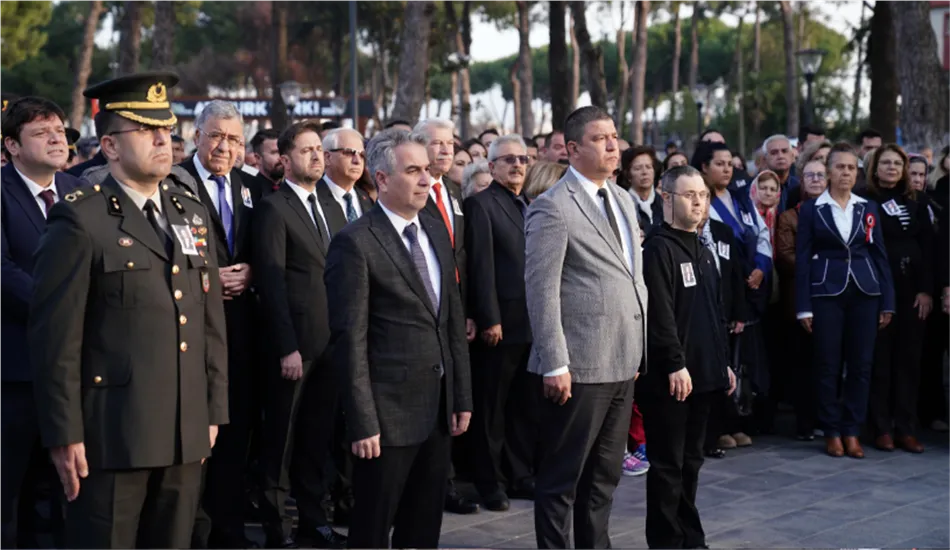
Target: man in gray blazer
587, 304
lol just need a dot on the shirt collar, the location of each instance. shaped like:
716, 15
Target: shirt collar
139, 199
335, 189
825, 198
300, 191
648, 202
399, 223
589, 185
35, 188
204, 174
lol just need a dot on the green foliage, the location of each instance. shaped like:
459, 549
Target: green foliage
22, 32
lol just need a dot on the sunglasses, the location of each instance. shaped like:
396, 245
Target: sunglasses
349, 152
512, 159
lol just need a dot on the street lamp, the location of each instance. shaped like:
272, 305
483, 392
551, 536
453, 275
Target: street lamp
290, 93
457, 62
699, 91
809, 61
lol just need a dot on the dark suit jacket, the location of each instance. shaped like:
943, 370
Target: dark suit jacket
97, 160
496, 252
127, 343
336, 217
460, 255
289, 260
392, 350
21, 225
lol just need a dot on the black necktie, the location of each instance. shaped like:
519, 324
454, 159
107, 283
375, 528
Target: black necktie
151, 213
318, 219
419, 260
602, 193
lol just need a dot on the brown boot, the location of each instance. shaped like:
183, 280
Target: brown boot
910, 444
884, 442
833, 447
853, 447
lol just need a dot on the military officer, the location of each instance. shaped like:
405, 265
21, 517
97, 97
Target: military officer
127, 334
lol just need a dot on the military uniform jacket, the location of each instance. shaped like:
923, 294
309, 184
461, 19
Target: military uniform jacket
128, 344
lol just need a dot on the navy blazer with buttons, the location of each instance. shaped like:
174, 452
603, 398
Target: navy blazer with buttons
22, 224
825, 264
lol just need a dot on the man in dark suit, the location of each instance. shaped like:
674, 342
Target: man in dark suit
398, 344
290, 256
270, 170
339, 197
35, 138
444, 205
506, 394
218, 139
127, 335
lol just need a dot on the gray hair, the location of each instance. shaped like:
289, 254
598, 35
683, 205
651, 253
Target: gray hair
770, 139
218, 108
422, 127
480, 166
671, 176
381, 150
332, 139
504, 140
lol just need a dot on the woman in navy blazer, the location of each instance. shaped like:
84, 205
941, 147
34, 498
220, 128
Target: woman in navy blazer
844, 294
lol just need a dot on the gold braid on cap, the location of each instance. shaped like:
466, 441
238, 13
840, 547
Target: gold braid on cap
145, 120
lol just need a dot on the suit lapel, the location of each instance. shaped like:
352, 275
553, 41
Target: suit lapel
133, 221
208, 202
827, 218
17, 188
856, 221
336, 219
238, 211
505, 202
63, 185
366, 203
446, 256
395, 248
628, 215
294, 202
592, 211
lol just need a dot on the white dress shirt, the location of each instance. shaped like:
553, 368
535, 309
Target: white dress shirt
592, 188
432, 261
248, 169
139, 199
338, 193
446, 200
212, 188
646, 206
844, 217
36, 189
304, 197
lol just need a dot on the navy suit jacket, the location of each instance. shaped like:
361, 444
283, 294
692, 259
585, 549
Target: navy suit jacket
21, 226
825, 264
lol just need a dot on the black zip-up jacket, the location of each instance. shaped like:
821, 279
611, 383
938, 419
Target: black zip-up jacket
910, 249
685, 311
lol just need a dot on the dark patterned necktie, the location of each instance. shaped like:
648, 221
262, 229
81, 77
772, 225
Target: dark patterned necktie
419, 260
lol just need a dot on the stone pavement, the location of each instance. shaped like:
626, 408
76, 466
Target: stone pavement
779, 493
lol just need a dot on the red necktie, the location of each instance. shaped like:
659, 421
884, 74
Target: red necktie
49, 198
437, 187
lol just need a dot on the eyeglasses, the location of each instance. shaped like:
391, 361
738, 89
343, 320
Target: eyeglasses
512, 159
216, 137
349, 152
165, 131
691, 196
814, 176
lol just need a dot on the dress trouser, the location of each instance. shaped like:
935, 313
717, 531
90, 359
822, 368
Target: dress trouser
933, 398
20, 443
582, 445
844, 329
895, 380
146, 508
676, 431
802, 350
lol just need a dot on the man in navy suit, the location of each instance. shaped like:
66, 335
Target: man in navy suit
34, 136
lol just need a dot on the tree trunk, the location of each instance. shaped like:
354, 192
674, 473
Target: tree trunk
882, 66
527, 69
740, 85
336, 52
575, 63
677, 54
694, 45
923, 115
620, 97
84, 68
593, 57
791, 81
163, 37
557, 66
639, 73
856, 98
464, 43
130, 41
757, 116
515, 95
414, 59
279, 72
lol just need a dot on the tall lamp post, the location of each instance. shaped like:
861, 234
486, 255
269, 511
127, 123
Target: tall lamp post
290, 93
699, 93
809, 61
456, 62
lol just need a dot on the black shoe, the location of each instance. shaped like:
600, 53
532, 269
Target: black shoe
715, 453
497, 502
806, 436
280, 543
457, 504
321, 537
522, 489
341, 515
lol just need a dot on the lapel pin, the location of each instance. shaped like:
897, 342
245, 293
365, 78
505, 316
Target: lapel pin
125, 241
197, 220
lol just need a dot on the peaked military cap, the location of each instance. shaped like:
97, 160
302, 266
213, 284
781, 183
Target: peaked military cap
140, 97
72, 136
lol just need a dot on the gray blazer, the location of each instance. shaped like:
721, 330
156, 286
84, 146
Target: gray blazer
587, 310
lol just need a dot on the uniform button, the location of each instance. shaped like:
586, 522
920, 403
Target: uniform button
97, 380
175, 270
178, 295
182, 320
184, 346
130, 265
436, 368
636, 317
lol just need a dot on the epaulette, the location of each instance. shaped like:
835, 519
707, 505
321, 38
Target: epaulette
82, 193
179, 191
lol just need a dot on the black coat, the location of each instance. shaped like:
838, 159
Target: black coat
455, 192
733, 284
909, 249
336, 218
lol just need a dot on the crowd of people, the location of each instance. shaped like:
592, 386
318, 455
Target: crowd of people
190, 339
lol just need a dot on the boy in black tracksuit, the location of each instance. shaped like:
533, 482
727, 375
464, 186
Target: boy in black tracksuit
687, 330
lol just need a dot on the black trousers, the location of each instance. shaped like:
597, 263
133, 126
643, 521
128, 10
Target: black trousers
506, 426
298, 434
932, 404
675, 432
147, 508
19, 433
895, 376
402, 490
582, 446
